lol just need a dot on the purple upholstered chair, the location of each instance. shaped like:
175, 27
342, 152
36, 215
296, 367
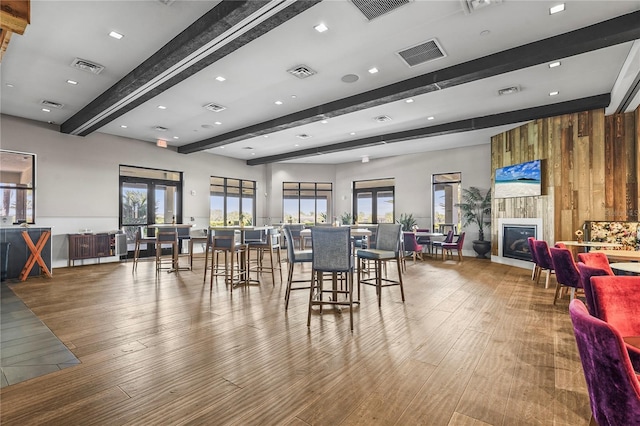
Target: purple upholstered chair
560, 245
457, 246
436, 244
535, 272
586, 272
544, 259
567, 274
596, 259
614, 389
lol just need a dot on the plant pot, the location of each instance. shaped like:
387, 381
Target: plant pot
482, 248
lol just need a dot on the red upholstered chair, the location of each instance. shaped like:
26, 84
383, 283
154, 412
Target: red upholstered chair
586, 272
617, 301
560, 245
535, 272
457, 246
567, 274
596, 259
614, 389
544, 259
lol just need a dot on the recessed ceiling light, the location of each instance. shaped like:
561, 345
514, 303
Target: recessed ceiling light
321, 28
217, 123
373, 70
293, 96
162, 107
556, 9
278, 102
222, 147
9, 85
430, 118
297, 144
115, 35
352, 133
324, 121
253, 153
555, 64
409, 101
176, 137
73, 82
266, 136
46, 110
220, 78
124, 126
553, 93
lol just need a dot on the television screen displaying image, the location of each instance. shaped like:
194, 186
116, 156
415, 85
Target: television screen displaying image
519, 180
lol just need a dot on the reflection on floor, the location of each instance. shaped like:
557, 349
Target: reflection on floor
29, 348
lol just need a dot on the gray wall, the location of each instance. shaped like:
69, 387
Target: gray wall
77, 178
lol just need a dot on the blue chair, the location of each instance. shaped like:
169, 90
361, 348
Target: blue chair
294, 257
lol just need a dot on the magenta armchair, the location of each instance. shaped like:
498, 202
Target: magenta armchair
536, 269
567, 274
596, 259
544, 259
614, 389
457, 246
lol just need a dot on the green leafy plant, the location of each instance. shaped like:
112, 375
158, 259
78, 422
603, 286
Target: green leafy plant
407, 221
475, 206
345, 218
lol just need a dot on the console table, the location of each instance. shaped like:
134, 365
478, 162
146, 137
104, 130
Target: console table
95, 246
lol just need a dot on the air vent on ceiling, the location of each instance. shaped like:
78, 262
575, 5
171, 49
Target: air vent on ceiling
166, 2
371, 9
468, 6
424, 52
51, 104
301, 71
303, 136
214, 107
382, 118
87, 66
247, 147
160, 129
509, 90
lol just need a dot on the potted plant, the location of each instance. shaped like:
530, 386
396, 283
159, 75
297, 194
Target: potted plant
475, 207
345, 218
407, 221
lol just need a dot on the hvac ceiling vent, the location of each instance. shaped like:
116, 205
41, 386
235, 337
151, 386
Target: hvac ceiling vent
371, 9
509, 90
51, 104
303, 136
424, 52
301, 71
160, 129
382, 118
469, 6
214, 107
87, 66
166, 2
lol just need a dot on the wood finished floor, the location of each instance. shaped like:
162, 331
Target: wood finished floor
475, 343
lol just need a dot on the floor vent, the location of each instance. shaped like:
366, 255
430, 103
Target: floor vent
372, 9
301, 71
87, 66
51, 104
214, 107
423, 52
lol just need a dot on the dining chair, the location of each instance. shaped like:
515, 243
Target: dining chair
612, 384
140, 240
586, 272
411, 246
331, 255
457, 245
425, 242
267, 242
387, 249
234, 269
596, 259
436, 244
535, 271
567, 274
544, 260
295, 230
294, 257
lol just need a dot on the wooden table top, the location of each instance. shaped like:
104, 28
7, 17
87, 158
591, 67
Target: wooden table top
589, 244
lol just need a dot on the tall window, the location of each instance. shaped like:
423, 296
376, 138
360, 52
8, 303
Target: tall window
17, 177
307, 202
232, 201
373, 200
446, 194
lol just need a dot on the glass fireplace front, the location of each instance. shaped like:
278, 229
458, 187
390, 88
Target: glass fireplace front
514, 241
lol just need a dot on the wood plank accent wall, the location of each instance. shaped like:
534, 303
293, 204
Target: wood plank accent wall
590, 168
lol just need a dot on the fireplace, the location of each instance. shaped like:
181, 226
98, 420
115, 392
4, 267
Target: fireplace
514, 241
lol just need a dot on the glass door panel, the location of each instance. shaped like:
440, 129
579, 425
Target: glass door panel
384, 211
364, 207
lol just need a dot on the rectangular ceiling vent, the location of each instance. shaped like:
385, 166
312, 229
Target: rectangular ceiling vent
166, 2
87, 66
469, 6
51, 104
214, 107
303, 136
301, 71
382, 118
160, 129
372, 9
424, 52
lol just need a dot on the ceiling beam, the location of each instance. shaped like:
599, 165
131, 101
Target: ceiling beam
604, 34
219, 32
467, 125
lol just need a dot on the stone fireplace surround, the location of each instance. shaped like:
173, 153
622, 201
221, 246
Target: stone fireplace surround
505, 221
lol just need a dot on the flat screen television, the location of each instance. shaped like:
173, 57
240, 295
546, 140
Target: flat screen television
519, 180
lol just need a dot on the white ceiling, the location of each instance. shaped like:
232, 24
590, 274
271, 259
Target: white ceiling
36, 67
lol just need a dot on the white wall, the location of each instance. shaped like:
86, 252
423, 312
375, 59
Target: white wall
77, 178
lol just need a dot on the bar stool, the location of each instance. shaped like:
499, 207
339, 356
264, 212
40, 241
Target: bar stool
166, 238
294, 256
387, 249
331, 254
234, 268
268, 241
139, 241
